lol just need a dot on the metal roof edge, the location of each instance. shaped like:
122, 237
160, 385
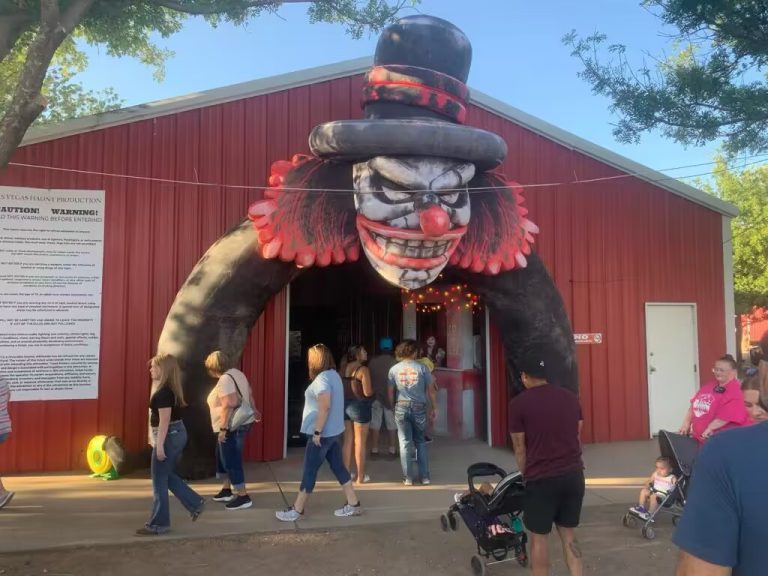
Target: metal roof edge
197, 100
604, 155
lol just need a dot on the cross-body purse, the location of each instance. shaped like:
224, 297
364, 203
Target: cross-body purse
244, 413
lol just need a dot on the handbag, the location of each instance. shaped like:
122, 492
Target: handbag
244, 413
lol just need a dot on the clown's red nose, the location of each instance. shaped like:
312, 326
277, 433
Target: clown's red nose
434, 221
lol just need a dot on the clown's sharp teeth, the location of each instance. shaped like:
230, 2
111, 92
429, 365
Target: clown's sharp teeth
414, 242
395, 248
397, 241
429, 243
382, 242
413, 252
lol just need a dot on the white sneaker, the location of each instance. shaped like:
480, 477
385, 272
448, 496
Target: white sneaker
408, 482
366, 479
6, 498
426, 482
348, 510
288, 515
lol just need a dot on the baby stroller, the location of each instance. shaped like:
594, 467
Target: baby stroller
681, 451
493, 519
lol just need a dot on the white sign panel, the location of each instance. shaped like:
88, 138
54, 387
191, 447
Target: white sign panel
589, 338
51, 260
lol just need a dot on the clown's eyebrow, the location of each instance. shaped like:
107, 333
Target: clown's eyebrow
400, 172
456, 176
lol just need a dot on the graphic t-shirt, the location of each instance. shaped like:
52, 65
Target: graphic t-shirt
410, 378
708, 405
663, 484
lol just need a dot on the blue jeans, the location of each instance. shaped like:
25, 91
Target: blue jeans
164, 478
229, 457
411, 420
329, 449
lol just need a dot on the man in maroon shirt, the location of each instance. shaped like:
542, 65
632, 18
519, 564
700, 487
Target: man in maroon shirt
545, 423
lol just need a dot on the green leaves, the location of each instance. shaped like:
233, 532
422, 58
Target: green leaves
748, 190
130, 28
714, 86
66, 97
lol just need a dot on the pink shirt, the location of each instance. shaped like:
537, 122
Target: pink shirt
708, 405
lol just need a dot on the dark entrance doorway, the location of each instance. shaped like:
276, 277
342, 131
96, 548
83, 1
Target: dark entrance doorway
338, 306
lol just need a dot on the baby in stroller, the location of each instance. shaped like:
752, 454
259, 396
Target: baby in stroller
669, 483
660, 484
492, 515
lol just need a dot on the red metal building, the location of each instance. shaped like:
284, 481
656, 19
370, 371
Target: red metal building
622, 238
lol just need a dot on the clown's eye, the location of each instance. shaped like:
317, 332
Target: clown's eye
449, 198
396, 195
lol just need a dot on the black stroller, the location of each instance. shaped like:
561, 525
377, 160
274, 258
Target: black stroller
493, 519
681, 451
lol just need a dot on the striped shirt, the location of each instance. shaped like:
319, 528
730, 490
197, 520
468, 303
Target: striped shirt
5, 397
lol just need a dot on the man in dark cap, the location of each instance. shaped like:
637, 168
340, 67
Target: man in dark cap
545, 424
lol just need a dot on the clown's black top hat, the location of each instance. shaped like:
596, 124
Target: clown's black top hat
415, 100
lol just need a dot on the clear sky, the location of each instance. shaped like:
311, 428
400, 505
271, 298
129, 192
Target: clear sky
518, 57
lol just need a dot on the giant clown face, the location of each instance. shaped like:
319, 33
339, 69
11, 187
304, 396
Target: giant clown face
411, 214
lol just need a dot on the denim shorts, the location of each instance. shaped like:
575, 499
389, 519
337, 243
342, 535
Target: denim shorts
4, 436
359, 411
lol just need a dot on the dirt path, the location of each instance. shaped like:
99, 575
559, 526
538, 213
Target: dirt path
383, 550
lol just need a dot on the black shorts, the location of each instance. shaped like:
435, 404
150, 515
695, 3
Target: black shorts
555, 500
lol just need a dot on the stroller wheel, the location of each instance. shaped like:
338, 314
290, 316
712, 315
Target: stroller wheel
478, 566
452, 521
444, 523
649, 533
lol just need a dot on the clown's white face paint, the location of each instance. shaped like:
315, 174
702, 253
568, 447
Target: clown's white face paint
409, 236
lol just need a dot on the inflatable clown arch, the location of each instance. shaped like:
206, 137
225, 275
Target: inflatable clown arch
411, 189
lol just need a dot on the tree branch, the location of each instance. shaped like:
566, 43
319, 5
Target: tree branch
212, 9
27, 102
11, 29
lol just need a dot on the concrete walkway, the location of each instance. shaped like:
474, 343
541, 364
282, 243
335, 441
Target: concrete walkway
58, 510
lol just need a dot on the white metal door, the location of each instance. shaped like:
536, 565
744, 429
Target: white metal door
671, 340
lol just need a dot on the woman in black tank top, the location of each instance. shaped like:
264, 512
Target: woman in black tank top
358, 400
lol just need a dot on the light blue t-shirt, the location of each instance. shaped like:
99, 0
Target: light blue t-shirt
410, 378
328, 382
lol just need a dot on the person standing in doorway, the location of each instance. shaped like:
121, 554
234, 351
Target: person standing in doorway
232, 387
323, 424
5, 431
382, 410
411, 380
545, 424
358, 401
169, 436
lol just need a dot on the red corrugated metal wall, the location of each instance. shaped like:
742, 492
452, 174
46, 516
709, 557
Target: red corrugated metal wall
610, 248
